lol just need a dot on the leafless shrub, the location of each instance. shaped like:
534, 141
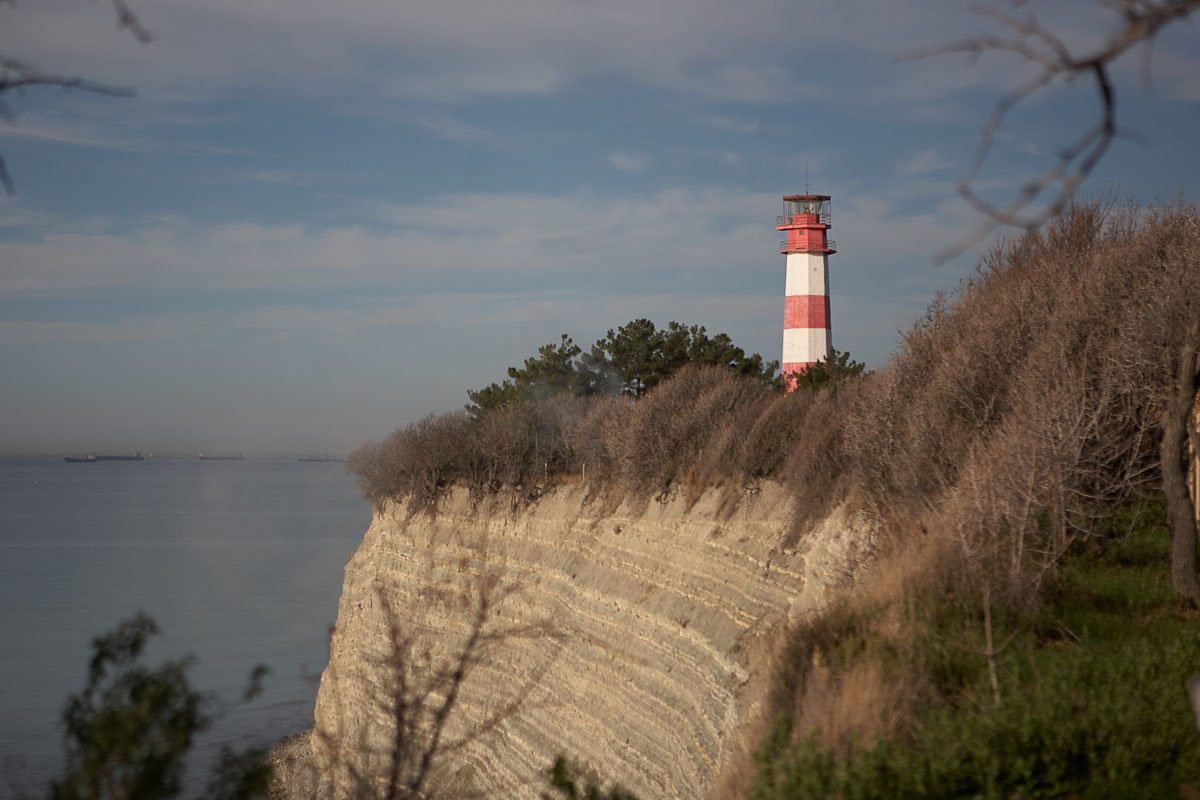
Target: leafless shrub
816, 468
1029, 403
433, 454
598, 439
415, 461
773, 434
721, 459
372, 476
559, 416
500, 448
671, 427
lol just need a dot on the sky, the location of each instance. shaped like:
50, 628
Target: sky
316, 222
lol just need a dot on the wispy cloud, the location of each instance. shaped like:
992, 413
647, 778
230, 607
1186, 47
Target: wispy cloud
79, 133
456, 130
14, 214
725, 123
629, 162
924, 162
514, 236
432, 50
138, 132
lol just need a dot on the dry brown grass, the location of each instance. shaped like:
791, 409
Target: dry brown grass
845, 705
854, 707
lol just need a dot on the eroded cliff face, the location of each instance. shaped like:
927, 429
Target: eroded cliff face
626, 642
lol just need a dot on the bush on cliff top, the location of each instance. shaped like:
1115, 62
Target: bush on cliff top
703, 426
894, 697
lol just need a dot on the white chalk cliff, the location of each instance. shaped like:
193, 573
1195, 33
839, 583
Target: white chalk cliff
655, 613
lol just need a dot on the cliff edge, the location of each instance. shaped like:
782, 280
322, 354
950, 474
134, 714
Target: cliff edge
624, 638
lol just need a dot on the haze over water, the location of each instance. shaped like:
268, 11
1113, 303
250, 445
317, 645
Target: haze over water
239, 562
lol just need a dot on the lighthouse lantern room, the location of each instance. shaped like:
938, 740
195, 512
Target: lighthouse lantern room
806, 321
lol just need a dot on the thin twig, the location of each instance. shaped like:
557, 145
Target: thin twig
1037, 45
16, 75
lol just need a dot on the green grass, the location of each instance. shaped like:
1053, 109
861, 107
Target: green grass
1093, 693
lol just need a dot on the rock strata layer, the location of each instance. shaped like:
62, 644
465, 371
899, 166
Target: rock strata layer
622, 636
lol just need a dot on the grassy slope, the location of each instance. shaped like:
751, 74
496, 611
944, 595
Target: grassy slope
1092, 687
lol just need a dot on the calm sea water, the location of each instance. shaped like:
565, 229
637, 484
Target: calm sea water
239, 562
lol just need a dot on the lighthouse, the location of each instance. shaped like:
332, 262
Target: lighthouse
806, 338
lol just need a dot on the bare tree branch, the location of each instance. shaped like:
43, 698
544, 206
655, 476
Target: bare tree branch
128, 20
16, 75
1037, 45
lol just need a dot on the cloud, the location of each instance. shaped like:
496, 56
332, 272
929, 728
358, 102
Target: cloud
508, 235
629, 162
447, 127
923, 162
757, 50
280, 177
725, 123
117, 125
15, 215
80, 133
453, 242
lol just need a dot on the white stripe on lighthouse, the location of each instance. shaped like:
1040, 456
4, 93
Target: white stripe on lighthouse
806, 274
805, 345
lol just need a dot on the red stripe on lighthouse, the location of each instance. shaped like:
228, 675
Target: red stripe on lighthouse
792, 367
806, 311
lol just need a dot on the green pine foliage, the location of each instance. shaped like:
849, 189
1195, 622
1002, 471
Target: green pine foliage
556, 369
630, 361
835, 369
641, 355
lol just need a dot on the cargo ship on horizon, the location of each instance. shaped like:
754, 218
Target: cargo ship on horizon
92, 457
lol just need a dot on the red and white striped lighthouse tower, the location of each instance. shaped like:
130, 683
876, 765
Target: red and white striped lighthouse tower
806, 338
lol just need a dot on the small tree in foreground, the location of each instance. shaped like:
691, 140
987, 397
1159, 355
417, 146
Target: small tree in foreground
128, 733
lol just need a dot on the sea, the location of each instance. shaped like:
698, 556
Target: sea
238, 562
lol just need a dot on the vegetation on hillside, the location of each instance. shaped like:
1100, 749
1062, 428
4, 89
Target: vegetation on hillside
914, 688
1021, 416
1051, 386
1029, 629
646, 412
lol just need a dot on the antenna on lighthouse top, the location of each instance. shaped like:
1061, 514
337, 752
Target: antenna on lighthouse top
806, 177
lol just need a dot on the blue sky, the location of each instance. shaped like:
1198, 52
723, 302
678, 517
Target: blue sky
316, 222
